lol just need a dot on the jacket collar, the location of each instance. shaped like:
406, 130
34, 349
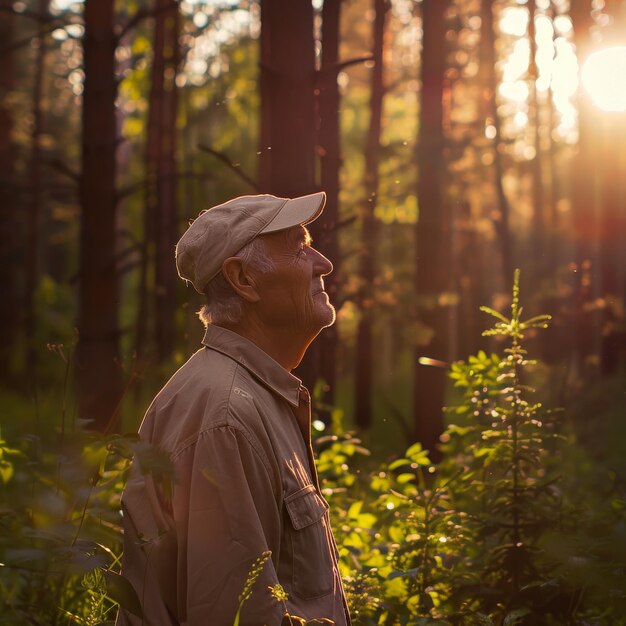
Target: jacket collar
256, 361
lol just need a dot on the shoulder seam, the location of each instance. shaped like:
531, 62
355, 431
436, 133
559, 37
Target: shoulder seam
192, 441
247, 436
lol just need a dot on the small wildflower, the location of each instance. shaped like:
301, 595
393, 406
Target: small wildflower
253, 574
279, 593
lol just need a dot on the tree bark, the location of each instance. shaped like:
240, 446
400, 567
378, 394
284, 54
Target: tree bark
9, 226
432, 231
612, 259
322, 354
539, 235
36, 197
287, 98
370, 228
612, 220
584, 197
98, 371
165, 67
488, 75
288, 117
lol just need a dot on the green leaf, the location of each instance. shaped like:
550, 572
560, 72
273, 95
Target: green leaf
405, 478
120, 590
490, 311
398, 463
355, 509
410, 573
418, 455
366, 520
396, 533
513, 617
6, 471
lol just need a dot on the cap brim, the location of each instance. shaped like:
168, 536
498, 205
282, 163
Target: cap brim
297, 211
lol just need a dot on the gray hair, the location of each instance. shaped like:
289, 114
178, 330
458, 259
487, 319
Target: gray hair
223, 305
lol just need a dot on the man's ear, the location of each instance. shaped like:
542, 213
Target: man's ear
239, 279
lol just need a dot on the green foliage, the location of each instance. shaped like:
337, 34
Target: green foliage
506, 530
60, 532
518, 525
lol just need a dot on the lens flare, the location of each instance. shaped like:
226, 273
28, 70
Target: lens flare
604, 78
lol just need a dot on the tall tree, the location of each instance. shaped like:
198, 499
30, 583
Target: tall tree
539, 221
325, 229
36, 191
490, 103
98, 371
287, 98
288, 121
161, 208
9, 309
584, 206
612, 218
432, 256
370, 227
612, 239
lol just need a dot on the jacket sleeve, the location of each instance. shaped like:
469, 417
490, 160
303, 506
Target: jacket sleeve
228, 517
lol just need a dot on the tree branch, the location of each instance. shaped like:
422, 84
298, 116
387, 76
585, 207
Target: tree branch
341, 65
132, 188
33, 15
346, 222
232, 165
57, 164
53, 25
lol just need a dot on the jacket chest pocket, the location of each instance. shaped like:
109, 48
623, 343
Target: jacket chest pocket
309, 542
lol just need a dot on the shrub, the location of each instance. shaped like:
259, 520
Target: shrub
500, 532
517, 525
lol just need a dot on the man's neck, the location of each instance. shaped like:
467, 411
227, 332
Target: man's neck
281, 345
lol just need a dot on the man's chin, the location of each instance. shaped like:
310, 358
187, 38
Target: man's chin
329, 317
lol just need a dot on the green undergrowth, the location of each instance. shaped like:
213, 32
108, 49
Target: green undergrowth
518, 525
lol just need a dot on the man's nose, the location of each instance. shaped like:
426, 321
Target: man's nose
321, 265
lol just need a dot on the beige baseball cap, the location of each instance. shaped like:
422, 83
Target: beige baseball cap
219, 233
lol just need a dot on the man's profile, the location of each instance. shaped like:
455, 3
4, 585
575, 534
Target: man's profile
235, 424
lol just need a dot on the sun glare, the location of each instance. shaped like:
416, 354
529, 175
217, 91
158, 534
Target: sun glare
604, 77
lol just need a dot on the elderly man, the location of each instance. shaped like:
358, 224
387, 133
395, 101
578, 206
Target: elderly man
245, 511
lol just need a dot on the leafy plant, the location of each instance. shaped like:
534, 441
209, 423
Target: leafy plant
517, 525
60, 532
497, 534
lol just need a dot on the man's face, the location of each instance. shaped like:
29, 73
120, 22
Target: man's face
292, 294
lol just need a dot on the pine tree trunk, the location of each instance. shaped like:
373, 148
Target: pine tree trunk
36, 197
584, 204
370, 233
145, 321
488, 75
612, 248
432, 231
539, 237
98, 371
612, 218
287, 98
156, 310
288, 121
166, 225
9, 226
324, 229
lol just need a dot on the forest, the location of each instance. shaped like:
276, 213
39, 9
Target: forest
470, 400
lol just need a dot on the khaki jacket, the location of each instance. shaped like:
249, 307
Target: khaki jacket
236, 427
